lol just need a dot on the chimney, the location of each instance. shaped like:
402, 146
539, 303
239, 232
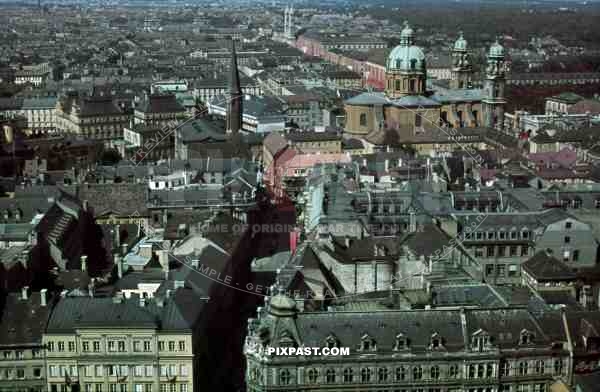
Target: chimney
117, 236
124, 249
44, 297
119, 263
83, 263
168, 294
25, 293
387, 165
413, 222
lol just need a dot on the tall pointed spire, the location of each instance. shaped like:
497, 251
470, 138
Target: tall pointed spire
234, 112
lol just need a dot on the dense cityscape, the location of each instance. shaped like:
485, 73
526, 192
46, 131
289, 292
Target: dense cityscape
391, 196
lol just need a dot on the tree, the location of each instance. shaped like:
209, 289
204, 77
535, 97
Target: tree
110, 157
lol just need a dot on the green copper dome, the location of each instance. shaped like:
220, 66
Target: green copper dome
407, 58
496, 50
461, 43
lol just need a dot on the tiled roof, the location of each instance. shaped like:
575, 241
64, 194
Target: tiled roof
545, 267
24, 321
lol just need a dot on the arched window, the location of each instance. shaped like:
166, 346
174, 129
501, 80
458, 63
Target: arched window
435, 372
330, 376
453, 371
401, 342
413, 85
363, 119
313, 375
285, 377
413, 64
400, 373
539, 367
398, 63
398, 85
418, 119
523, 368
331, 341
417, 373
558, 366
365, 375
348, 375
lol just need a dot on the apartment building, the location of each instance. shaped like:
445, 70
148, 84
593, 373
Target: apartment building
121, 344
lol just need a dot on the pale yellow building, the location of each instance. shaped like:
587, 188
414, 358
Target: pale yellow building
120, 344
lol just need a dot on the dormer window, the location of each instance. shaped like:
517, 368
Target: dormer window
367, 343
525, 337
401, 342
436, 342
331, 341
480, 340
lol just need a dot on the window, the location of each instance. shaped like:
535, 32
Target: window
501, 268
348, 375
96, 346
330, 376
567, 240
490, 251
471, 371
149, 370
183, 388
489, 269
569, 225
524, 250
539, 367
418, 119
139, 371
365, 375
147, 346
435, 372
576, 255
121, 346
412, 85
112, 387
489, 370
182, 345
53, 369
512, 270
20, 373
85, 346
98, 388
112, 346
400, 373
122, 387
37, 372
363, 119
417, 373
71, 346
161, 346
522, 368
138, 388
61, 346
453, 371
183, 370
171, 345
137, 346
513, 235
163, 370
284, 377
98, 370
491, 235
382, 374
147, 387
558, 366
480, 368
401, 342
513, 251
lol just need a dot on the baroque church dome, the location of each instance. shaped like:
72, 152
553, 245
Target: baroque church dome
461, 43
496, 50
407, 57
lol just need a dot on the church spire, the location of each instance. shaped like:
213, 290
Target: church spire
234, 112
